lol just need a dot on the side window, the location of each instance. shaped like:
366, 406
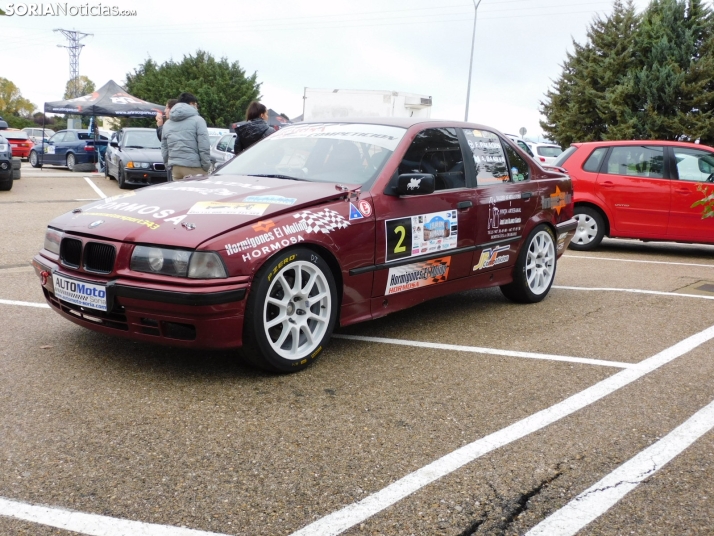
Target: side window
592, 164
519, 168
694, 164
524, 147
436, 151
57, 137
488, 155
70, 136
636, 161
221, 145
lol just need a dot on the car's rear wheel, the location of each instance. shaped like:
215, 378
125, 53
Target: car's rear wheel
71, 162
590, 229
291, 311
534, 271
34, 159
6, 185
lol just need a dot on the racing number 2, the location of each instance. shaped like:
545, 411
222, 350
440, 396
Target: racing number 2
399, 238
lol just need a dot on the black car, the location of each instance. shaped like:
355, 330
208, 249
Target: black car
134, 158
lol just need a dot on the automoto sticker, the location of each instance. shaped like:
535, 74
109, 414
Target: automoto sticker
216, 207
417, 275
490, 257
417, 235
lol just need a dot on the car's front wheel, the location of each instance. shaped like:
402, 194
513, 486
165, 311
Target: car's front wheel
590, 229
534, 271
71, 162
291, 311
34, 159
120, 178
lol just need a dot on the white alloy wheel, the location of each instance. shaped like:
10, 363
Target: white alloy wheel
297, 310
540, 262
587, 229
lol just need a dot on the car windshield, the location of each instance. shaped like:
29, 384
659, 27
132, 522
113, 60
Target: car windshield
320, 152
15, 135
142, 139
549, 150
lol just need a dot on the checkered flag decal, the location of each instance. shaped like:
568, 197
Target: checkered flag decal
324, 221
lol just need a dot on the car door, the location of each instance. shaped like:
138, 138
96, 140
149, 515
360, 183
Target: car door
50, 148
636, 190
68, 144
506, 199
420, 237
692, 174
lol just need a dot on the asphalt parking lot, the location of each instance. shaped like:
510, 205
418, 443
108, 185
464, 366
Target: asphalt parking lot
465, 415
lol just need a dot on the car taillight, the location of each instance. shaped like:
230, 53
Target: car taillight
89, 148
541, 159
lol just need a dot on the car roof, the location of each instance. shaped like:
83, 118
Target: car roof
141, 129
639, 142
403, 122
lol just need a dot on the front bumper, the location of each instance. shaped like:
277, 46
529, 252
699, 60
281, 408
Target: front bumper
144, 177
565, 232
203, 318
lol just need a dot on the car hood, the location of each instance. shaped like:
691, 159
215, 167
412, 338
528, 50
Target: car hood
187, 213
141, 155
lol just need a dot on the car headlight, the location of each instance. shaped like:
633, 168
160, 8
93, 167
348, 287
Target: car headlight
3, 147
138, 165
53, 237
177, 262
206, 265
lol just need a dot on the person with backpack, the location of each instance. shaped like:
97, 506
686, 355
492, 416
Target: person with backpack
254, 129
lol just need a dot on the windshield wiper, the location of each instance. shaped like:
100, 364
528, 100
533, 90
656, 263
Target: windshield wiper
276, 176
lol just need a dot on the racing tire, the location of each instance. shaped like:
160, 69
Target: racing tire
120, 179
34, 160
291, 311
16, 174
5, 185
590, 230
16, 163
71, 162
534, 271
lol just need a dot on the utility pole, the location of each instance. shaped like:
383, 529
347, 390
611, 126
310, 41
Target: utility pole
471, 62
74, 48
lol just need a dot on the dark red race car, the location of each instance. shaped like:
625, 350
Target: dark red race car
317, 225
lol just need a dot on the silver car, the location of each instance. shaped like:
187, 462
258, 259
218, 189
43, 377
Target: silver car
222, 150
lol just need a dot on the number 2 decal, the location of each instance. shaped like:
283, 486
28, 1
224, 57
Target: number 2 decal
399, 238
400, 248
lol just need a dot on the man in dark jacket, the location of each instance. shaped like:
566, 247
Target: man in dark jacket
255, 129
185, 145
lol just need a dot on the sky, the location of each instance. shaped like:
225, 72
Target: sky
415, 46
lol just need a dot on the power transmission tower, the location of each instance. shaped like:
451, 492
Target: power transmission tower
74, 48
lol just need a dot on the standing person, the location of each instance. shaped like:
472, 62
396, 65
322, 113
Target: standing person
162, 118
255, 129
185, 146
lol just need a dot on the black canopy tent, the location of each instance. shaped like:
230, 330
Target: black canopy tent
110, 100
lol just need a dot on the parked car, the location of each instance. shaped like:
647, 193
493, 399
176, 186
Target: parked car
134, 158
20, 141
6, 178
36, 136
69, 148
521, 143
215, 134
546, 153
3, 124
222, 150
639, 189
317, 224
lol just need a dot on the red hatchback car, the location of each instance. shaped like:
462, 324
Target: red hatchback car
639, 189
20, 141
318, 225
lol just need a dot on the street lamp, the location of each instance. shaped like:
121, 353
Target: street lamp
471, 62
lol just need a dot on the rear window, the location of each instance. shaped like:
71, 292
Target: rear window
15, 135
560, 162
549, 151
88, 136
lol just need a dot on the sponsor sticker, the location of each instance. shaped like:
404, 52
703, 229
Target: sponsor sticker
270, 199
491, 257
417, 275
557, 201
365, 208
216, 207
355, 214
424, 233
80, 293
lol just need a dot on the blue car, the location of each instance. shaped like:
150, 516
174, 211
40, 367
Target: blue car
69, 148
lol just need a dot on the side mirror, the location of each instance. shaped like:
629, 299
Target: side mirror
114, 143
415, 184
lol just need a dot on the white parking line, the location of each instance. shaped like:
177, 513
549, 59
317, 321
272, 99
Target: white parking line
95, 188
24, 304
491, 351
92, 524
632, 260
600, 497
349, 516
636, 291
